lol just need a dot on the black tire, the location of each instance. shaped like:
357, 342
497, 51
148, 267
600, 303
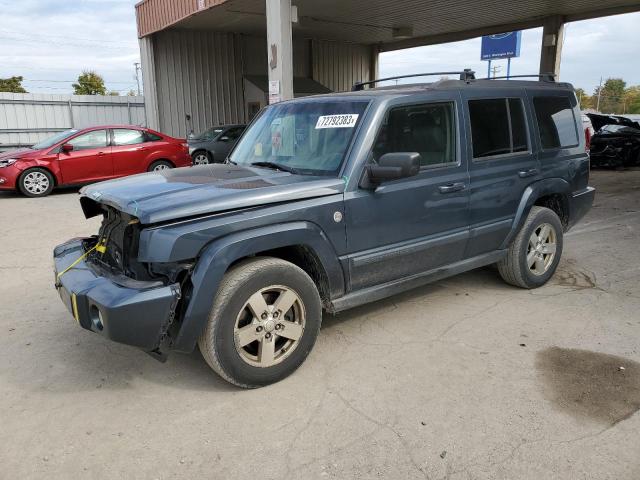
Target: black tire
514, 268
201, 156
217, 342
36, 182
159, 165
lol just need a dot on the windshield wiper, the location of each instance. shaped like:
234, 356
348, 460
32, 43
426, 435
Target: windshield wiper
276, 166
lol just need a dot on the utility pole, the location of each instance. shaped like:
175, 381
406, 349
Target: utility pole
138, 68
599, 94
495, 69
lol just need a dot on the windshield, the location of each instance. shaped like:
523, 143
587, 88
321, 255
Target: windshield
209, 134
308, 137
51, 141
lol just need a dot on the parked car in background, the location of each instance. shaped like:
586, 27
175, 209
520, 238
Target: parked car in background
330, 202
214, 144
616, 142
92, 154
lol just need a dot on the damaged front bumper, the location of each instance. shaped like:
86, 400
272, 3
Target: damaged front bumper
119, 308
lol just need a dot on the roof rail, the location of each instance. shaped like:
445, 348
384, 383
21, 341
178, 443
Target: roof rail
466, 75
545, 77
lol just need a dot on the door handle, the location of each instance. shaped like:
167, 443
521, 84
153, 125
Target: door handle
452, 187
528, 173
101, 153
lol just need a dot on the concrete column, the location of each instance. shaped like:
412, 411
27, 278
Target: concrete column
374, 62
280, 50
551, 48
150, 92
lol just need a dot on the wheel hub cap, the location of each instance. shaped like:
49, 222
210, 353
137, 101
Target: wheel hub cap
542, 249
269, 326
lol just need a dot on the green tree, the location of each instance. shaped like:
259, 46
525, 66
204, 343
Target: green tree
585, 100
113, 93
12, 85
131, 93
632, 99
89, 83
611, 95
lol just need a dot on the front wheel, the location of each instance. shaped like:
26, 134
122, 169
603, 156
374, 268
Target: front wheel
160, 165
264, 322
534, 254
35, 182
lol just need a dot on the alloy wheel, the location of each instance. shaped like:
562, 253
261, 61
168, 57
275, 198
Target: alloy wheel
541, 249
269, 326
36, 183
200, 159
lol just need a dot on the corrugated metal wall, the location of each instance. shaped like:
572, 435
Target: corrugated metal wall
27, 118
200, 74
338, 65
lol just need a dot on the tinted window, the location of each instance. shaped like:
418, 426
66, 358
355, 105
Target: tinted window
152, 137
428, 129
518, 125
556, 122
123, 136
234, 133
498, 126
94, 139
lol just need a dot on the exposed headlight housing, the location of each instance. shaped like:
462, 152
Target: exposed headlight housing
7, 161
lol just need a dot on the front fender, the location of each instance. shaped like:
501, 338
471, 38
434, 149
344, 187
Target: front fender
533, 192
216, 258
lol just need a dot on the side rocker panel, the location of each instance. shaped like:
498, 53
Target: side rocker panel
216, 258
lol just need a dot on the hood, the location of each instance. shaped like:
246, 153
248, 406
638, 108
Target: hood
598, 121
191, 191
19, 153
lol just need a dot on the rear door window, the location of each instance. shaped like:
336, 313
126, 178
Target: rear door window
498, 127
556, 122
124, 136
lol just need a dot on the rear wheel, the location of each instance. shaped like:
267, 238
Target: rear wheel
264, 322
159, 165
36, 182
534, 255
202, 157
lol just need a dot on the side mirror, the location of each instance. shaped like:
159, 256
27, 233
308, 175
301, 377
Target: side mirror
392, 166
224, 138
66, 147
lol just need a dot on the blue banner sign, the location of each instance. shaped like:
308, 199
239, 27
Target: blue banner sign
502, 45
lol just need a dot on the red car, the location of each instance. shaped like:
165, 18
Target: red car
89, 155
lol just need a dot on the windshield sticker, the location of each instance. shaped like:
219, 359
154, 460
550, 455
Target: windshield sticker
347, 120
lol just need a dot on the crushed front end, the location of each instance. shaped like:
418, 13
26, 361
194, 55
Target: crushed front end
108, 292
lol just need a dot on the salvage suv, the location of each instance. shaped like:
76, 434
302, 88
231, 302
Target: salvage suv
326, 203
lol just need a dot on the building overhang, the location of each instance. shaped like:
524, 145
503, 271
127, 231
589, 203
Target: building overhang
388, 24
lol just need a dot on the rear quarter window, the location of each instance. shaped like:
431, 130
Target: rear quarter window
556, 122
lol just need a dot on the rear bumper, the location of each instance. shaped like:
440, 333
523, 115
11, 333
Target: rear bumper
115, 307
579, 204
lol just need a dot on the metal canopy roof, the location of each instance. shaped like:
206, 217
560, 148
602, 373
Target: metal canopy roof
391, 24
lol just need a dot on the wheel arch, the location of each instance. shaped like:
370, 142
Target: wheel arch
302, 243
552, 193
26, 170
160, 159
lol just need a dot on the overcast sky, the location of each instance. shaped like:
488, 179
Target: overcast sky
49, 42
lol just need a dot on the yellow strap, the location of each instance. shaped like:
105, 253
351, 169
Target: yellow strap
98, 247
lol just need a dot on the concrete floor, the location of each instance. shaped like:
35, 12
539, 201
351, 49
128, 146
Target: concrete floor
465, 379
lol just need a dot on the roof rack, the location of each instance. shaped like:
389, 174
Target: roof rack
466, 75
545, 77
